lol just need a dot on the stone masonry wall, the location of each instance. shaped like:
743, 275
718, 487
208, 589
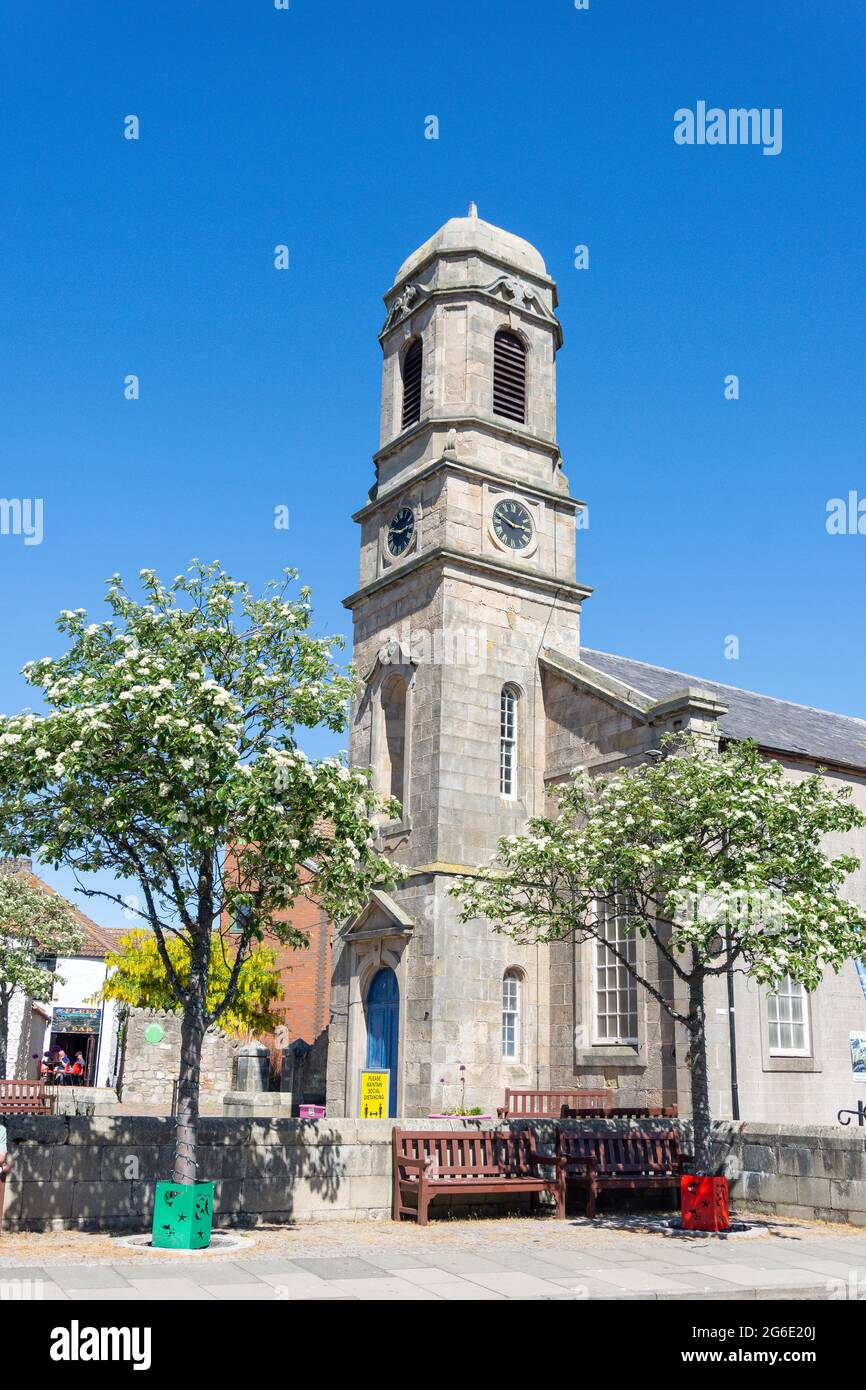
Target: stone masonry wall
150, 1069
806, 1171
98, 1174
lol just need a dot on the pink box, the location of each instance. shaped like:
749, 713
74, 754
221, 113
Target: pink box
311, 1112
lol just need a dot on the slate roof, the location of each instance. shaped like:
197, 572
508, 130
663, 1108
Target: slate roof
774, 724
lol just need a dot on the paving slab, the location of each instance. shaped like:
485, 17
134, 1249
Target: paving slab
175, 1290
339, 1268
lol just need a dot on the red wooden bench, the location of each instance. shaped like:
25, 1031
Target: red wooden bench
550, 1105
434, 1163
631, 1160
23, 1098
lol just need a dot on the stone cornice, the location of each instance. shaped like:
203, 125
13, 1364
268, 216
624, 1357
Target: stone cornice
443, 557
629, 699
489, 424
468, 293
462, 253
450, 463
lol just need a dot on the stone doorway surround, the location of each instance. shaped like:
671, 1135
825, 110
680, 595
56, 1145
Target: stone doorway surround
379, 936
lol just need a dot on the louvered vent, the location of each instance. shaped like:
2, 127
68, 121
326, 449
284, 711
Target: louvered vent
412, 364
509, 376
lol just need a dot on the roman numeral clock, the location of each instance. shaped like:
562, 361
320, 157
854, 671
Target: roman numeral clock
512, 524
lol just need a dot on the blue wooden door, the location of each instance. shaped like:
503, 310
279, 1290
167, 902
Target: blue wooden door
383, 1017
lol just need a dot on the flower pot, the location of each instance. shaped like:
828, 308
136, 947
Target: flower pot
182, 1215
704, 1204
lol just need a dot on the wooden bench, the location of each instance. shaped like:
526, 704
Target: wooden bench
23, 1098
551, 1105
623, 1112
629, 1160
435, 1163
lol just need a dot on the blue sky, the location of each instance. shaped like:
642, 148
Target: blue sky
260, 387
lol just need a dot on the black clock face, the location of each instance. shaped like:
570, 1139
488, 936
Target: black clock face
401, 530
512, 524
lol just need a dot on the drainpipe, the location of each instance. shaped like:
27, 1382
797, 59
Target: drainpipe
732, 1033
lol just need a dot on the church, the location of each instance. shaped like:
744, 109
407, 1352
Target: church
478, 696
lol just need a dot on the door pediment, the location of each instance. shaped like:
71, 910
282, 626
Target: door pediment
381, 917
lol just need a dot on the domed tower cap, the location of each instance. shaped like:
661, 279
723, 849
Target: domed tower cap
462, 235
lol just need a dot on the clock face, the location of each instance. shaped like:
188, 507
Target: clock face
401, 530
512, 524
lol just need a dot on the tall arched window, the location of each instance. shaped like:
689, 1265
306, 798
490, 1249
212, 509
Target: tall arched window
509, 376
412, 364
393, 753
511, 1015
508, 741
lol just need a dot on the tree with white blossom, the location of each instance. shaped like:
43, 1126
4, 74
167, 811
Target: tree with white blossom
169, 756
718, 859
36, 926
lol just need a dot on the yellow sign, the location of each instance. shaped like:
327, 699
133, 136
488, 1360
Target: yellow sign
374, 1095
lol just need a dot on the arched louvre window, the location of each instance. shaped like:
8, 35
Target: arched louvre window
509, 376
508, 742
412, 364
511, 1015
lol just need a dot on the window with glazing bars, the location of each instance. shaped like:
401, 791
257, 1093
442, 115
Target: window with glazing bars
511, 1015
507, 741
788, 1018
614, 988
509, 376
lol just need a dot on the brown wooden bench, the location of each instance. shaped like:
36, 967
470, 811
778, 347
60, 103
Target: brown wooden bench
623, 1112
550, 1105
23, 1098
629, 1160
435, 1163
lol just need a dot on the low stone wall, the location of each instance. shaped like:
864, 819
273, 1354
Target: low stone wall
98, 1173
812, 1172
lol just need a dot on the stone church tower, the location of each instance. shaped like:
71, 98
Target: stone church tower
467, 570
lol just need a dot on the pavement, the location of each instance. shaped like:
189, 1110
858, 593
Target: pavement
540, 1259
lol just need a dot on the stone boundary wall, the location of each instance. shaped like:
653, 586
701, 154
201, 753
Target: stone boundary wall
807, 1171
98, 1173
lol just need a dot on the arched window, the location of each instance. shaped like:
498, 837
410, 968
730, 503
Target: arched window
393, 757
412, 364
508, 741
511, 1015
509, 376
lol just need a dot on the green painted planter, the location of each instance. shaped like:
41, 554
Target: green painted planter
182, 1216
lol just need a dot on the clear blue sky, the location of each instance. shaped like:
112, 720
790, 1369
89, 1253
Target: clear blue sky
260, 387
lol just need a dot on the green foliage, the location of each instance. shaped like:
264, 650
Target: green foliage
169, 756
709, 853
137, 976
34, 924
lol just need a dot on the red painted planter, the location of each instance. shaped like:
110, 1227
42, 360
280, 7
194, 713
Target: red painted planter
704, 1204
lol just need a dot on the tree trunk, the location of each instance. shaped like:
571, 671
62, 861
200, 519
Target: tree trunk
191, 1038
698, 1067
4, 1030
